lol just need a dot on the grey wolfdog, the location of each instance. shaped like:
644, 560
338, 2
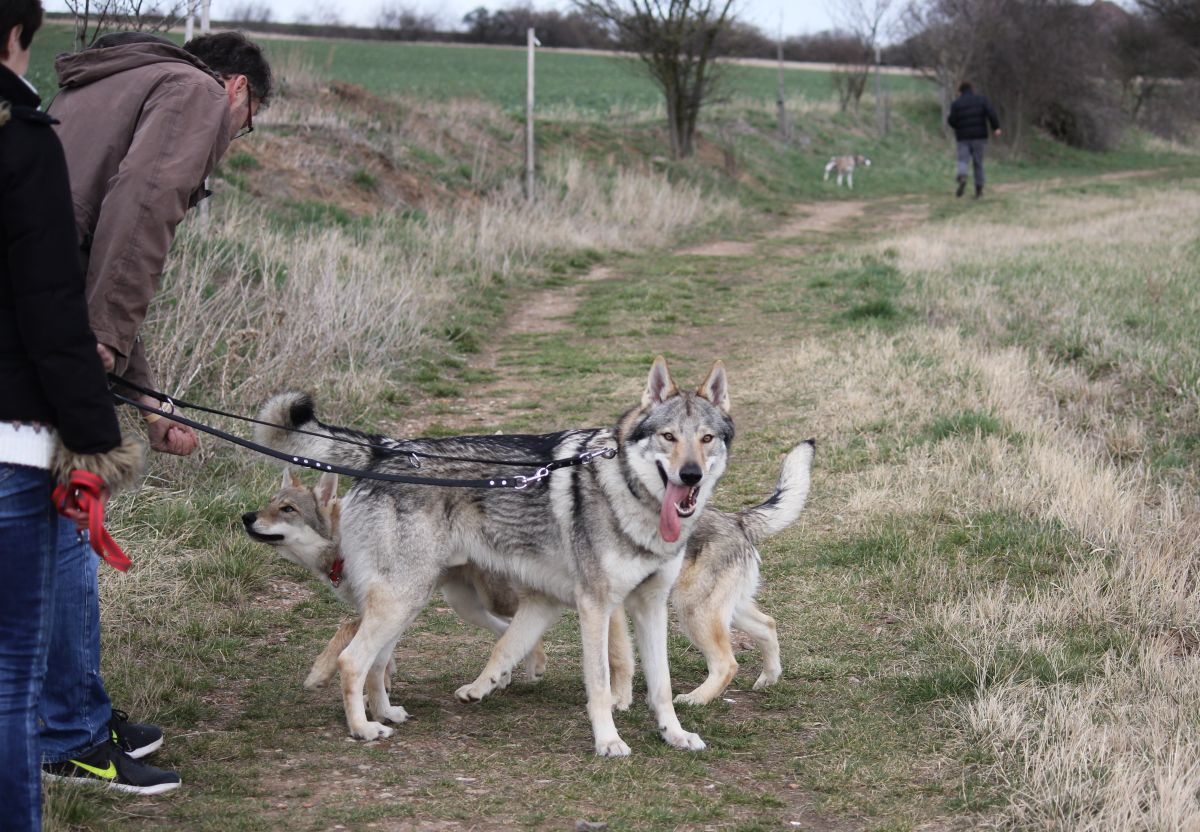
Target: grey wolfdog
303, 525
715, 590
590, 537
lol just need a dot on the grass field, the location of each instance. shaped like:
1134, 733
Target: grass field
988, 612
594, 85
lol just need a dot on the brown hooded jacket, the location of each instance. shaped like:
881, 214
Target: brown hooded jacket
143, 123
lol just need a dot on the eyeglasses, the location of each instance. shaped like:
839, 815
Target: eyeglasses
249, 125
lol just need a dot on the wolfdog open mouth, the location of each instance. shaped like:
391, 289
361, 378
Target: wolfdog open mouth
678, 501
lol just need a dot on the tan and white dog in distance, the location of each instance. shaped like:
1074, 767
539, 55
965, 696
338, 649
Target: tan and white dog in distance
845, 165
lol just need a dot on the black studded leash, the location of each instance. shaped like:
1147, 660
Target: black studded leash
517, 482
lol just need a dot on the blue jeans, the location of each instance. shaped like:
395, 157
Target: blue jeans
74, 711
28, 532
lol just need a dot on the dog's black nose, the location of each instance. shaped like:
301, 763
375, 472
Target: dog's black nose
249, 517
691, 474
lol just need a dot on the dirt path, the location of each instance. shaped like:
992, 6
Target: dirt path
549, 310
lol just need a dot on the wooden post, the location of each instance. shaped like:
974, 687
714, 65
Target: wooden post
784, 132
530, 41
205, 26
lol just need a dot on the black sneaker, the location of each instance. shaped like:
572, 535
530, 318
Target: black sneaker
111, 767
962, 186
135, 739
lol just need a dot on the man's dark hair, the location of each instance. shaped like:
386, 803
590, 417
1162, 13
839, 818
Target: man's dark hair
964, 88
232, 53
24, 13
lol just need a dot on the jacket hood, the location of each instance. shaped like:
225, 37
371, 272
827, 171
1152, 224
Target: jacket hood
101, 61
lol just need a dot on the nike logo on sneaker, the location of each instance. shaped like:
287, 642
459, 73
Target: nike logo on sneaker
109, 773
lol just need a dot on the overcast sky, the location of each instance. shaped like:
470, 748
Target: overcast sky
799, 16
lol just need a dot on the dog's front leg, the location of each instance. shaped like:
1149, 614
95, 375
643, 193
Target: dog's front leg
378, 683
594, 618
533, 616
385, 618
325, 664
648, 606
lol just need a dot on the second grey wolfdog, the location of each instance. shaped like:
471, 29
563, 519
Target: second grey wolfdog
591, 537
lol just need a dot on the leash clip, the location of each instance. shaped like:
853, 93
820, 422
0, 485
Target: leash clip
538, 475
588, 456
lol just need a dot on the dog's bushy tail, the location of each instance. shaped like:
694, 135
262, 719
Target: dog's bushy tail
293, 411
785, 505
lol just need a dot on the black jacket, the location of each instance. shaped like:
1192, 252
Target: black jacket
49, 369
970, 116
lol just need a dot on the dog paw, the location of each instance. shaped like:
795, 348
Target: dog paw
316, 681
504, 681
393, 714
612, 748
371, 731
684, 739
765, 680
535, 668
474, 692
622, 699
691, 699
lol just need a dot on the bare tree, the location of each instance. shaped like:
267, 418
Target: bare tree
675, 40
405, 21
249, 12
867, 21
849, 82
945, 37
1181, 16
93, 18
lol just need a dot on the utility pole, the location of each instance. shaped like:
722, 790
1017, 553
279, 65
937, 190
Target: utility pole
531, 41
785, 132
205, 26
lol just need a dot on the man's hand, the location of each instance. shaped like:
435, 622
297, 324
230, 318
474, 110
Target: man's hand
107, 357
80, 518
997, 133
166, 436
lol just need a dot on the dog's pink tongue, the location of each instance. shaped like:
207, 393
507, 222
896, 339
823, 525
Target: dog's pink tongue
668, 519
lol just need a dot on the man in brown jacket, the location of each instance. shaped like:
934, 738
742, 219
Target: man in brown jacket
143, 123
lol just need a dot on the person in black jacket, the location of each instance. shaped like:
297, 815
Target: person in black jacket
56, 414
971, 115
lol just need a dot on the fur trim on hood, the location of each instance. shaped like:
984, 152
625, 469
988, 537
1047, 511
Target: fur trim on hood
120, 468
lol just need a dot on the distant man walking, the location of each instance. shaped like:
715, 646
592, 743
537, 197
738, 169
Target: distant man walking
971, 115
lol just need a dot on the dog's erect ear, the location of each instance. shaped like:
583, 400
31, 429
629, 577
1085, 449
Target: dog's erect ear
659, 386
715, 388
288, 480
326, 489
335, 517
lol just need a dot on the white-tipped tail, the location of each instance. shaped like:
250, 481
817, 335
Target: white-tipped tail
791, 492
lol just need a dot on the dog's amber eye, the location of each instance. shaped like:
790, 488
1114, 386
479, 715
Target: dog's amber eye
286, 509
670, 437
706, 438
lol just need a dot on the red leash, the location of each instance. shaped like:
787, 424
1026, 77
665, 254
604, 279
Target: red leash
87, 493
